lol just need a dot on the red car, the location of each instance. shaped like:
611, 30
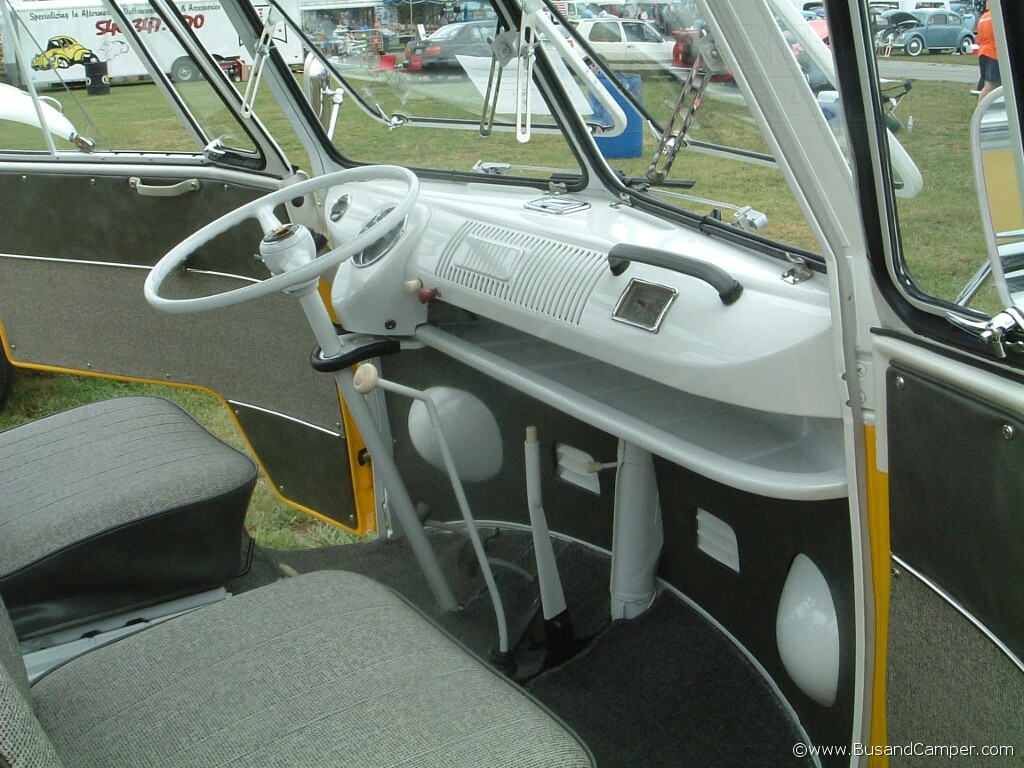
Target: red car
688, 46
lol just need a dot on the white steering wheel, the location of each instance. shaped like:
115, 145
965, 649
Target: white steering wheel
297, 272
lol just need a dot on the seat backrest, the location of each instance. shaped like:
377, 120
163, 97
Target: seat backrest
23, 742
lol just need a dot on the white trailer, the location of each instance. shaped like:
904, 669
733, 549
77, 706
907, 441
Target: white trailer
60, 38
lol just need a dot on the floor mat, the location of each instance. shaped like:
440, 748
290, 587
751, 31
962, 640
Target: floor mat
667, 689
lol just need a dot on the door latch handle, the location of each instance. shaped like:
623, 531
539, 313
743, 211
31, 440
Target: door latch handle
163, 190
1004, 331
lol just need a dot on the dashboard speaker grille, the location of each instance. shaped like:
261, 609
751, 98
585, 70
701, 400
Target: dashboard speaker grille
531, 272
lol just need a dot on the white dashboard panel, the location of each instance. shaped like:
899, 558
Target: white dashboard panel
547, 276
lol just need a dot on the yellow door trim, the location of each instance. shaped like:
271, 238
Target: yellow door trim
361, 471
878, 530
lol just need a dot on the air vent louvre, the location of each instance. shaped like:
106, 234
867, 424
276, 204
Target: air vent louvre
717, 539
531, 272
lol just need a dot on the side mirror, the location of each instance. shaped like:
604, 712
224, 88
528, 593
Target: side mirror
325, 100
999, 196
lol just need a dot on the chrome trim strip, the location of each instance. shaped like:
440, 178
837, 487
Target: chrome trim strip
122, 265
959, 608
285, 416
123, 163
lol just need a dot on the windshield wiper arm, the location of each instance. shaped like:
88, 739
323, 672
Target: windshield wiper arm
394, 120
501, 169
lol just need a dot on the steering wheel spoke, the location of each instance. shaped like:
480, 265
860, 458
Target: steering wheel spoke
267, 219
295, 272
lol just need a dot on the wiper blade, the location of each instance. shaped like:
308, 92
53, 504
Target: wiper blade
217, 152
642, 184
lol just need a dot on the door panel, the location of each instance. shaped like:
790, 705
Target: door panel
957, 496
74, 254
954, 456
94, 215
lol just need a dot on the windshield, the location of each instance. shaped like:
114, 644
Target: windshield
420, 86
644, 98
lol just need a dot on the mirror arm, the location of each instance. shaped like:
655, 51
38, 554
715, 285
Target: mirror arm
1004, 332
263, 47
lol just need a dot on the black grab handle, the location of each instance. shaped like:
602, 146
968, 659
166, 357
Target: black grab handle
620, 256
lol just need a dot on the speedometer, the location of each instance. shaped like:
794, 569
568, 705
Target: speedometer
374, 252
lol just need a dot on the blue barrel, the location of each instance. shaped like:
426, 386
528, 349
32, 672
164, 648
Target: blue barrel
629, 143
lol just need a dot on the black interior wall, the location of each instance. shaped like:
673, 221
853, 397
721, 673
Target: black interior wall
770, 532
961, 529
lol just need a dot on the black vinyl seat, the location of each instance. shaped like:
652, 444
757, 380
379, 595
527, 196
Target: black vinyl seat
113, 506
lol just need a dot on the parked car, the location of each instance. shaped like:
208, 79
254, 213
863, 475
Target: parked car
876, 17
440, 50
917, 31
627, 43
968, 13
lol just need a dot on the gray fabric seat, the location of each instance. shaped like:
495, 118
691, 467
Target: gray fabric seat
112, 506
326, 669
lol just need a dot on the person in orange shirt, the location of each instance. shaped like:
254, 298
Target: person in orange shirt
988, 56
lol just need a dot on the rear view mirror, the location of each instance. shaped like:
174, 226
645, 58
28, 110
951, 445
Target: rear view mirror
323, 98
999, 196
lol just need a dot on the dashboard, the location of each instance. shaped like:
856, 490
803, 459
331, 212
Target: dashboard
494, 252
740, 390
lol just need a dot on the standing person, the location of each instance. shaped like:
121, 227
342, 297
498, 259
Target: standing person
988, 56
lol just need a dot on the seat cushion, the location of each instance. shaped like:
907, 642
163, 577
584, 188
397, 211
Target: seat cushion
114, 505
326, 669
23, 743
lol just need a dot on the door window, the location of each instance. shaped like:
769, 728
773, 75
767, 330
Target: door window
940, 255
97, 81
605, 32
